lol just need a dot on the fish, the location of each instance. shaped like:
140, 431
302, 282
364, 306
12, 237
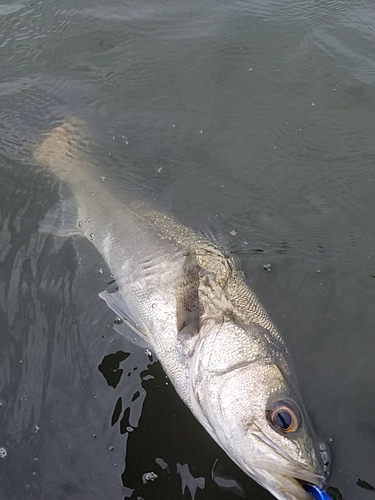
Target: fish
186, 298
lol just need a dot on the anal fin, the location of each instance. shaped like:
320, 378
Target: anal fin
62, 218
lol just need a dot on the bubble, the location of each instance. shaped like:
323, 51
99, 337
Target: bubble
267, 267
325, 456
3, 452
149, 476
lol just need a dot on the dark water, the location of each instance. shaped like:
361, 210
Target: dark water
260, 114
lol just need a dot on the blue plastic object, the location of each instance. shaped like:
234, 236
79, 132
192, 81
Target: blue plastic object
316, 492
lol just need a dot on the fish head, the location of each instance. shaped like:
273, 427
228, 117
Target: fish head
246, 395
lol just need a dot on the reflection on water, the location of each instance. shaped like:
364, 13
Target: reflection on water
258, 116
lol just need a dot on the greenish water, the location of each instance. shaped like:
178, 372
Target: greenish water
259, 115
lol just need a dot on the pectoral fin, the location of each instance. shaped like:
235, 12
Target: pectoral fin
187, 304
117, 303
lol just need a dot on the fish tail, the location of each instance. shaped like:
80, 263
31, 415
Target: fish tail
62, 150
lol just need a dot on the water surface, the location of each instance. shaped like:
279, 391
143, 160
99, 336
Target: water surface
258, 115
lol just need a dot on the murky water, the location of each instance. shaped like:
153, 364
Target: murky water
258, 114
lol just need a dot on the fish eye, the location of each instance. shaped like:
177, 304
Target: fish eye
283, 416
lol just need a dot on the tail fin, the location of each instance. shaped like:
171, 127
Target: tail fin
62, 149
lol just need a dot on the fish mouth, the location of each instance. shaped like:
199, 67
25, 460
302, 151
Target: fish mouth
287, 482
287, 487
291, 487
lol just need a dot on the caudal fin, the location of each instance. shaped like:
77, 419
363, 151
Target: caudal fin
62, 149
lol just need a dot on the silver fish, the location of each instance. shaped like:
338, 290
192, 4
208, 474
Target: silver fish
188, 299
